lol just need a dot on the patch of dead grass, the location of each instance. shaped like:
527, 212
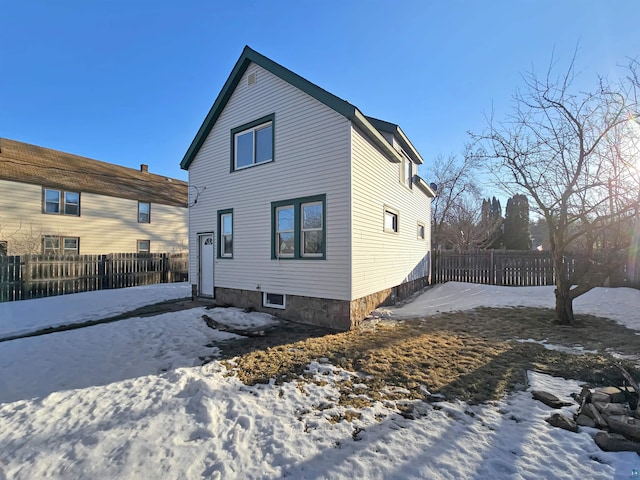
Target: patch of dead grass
471, 355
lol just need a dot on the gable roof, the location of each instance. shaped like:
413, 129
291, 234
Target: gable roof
343, 107
22, 162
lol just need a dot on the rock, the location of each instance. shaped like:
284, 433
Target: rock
613, 442
591, 411
583, 397
560, 421
615, 394
549, 399
625, 425
601, 397
585, 421
609, 409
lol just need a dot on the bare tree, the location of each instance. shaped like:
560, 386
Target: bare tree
574, 153
23, 239
456, 211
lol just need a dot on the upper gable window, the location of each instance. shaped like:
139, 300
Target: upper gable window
59, 202
252, 143
407, 171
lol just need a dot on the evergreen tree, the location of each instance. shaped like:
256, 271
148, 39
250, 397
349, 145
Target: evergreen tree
492, 222
516, 224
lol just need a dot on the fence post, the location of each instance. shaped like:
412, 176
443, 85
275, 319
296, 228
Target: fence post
165, 268
492, 270
101, 272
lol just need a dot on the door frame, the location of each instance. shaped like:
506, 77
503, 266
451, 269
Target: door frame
213, 260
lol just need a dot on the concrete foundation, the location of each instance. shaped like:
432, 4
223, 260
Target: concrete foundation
336, 314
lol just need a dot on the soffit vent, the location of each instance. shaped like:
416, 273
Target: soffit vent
252, 79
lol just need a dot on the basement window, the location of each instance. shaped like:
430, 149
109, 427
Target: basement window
273, 300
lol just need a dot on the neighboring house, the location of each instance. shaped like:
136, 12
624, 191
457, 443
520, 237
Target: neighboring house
56, 202
305, 207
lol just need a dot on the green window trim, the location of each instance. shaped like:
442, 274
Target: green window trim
248, 126
219, 234
297, 204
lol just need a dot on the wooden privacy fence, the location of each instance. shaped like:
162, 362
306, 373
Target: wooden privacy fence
34, 276
511, 268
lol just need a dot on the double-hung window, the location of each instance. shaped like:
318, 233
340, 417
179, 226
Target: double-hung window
252, 143
143, 246
71, 203
59, 202
70, 245
420, 231
312, 229
225, 233
299, 228
285, 231
52, 201
144, 212
50, 245
55, 245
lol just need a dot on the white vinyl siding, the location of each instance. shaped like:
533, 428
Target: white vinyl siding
106, 225
310, 157
381, 259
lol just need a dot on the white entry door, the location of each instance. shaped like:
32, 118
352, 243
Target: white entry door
206, 259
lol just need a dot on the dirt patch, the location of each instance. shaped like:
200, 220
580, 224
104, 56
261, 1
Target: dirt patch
473, 355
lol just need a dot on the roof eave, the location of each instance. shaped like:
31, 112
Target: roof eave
419, 181
407, 144
361, 121
249, 55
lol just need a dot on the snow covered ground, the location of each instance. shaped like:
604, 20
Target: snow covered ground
17, 318
620, 304
129, 400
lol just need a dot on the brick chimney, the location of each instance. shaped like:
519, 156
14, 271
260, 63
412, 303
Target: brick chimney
144, 167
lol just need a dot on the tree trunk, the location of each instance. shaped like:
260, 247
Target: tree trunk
564, 307
564, 301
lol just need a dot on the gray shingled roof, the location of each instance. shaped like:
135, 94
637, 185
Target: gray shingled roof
22, 162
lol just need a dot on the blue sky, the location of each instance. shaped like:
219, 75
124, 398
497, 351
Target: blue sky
130, 82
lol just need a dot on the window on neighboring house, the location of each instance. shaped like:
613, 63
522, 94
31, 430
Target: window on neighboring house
252, 143
70, 245
273, 300
50, 245
225, 233
71, 203
407, 171
144, 212
60, 202
56, 245
420, 231
299, 228
390, 220
4, 248
144, 246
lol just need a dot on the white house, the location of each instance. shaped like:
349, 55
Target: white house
60, 203
301, 205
